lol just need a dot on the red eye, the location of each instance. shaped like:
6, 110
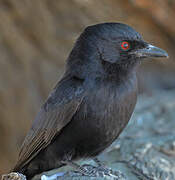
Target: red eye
125, 45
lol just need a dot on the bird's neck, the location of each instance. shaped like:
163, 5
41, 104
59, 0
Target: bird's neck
119, 72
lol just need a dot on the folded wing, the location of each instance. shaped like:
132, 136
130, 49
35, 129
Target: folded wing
57, 111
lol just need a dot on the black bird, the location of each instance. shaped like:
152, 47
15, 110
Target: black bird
92, 103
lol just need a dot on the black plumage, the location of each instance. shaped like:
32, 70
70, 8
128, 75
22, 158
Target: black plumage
92, 103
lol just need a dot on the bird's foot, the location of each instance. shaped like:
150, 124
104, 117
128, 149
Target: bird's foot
93, 171
103, 168
84, 169
13, 176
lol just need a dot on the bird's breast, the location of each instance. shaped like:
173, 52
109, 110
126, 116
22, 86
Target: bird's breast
107, 109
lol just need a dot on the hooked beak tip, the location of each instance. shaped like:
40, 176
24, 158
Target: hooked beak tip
151, 51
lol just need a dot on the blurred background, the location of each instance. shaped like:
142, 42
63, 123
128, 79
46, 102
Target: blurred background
36, 38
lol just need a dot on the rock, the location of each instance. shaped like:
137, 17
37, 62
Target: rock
13, 176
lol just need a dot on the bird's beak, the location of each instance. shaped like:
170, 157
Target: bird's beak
151, 51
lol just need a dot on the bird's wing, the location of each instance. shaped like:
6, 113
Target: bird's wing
57, 111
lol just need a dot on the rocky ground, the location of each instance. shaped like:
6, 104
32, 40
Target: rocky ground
144, 151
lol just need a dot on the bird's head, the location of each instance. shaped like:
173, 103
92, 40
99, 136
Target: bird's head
114, 44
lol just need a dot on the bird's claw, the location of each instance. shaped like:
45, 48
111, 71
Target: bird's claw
92, 171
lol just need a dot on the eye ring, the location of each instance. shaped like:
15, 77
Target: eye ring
125, 45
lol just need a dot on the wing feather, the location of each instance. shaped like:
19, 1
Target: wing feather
58, 110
